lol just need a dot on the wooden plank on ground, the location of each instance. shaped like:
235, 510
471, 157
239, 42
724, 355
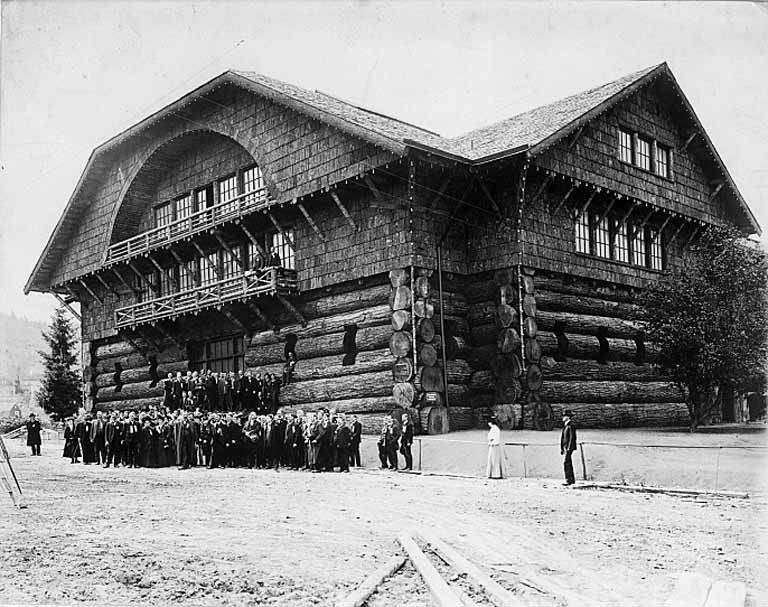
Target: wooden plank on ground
498, 594
727, 594
442, 593
691, 590
366, 589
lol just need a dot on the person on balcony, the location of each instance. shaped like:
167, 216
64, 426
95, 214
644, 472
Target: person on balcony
274, 258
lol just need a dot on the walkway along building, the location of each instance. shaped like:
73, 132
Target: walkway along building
495, 271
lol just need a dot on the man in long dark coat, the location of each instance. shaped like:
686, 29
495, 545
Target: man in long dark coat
568, 446
83, 433
406, 440
33, 434
187, 441
99, 439
131, 438
343, 440
357, 437
114, 436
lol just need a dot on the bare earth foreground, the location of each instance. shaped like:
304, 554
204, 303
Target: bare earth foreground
292, 538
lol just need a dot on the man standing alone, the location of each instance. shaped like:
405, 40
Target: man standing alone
568, 445
33, 434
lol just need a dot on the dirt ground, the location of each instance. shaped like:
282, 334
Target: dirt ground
237, 536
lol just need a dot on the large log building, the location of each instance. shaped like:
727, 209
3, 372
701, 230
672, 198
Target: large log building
494, 271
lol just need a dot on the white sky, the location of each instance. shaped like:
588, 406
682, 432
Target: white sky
76, 73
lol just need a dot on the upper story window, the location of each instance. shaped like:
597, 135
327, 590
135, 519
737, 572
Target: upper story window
253, 181
209, 269
255, 258
645, 153
204, 197
187, 275
662, 160
625, 242
228, 190
281, 253
184, 206
229, 266
163, 214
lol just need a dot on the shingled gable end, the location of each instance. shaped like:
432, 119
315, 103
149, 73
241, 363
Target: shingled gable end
496, 271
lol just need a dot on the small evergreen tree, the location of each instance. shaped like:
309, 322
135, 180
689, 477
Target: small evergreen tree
60, 392
710, 319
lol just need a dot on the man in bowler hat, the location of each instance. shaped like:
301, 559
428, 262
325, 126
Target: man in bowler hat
568, 445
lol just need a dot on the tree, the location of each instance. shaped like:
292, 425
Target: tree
60, 392
709, 316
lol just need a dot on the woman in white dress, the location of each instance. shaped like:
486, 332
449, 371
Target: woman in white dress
494, 449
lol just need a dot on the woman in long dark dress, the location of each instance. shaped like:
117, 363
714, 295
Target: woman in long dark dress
71, 448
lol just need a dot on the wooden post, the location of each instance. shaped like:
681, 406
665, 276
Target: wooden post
583, 462
442, 322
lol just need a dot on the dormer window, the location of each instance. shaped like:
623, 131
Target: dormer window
645, 153
625, 146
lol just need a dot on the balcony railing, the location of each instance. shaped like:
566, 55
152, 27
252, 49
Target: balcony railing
267, 281
187, 226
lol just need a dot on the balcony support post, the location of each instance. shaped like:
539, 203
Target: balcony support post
207, 261
310, 221
85, 286
262, 317
343, 210
168, 335
162, 270
236, 321
229, 250
106, 285
124, 281
292, 309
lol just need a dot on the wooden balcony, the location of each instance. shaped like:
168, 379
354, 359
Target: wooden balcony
267, 281
182, 229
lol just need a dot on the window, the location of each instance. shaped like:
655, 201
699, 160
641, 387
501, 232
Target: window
145, 286
582, 234
656, 257
204, 197
284, 251
643, 154
253, 181
255, 260
638, 247
625, 146
620, 243
228, 191
229, 266
184, 206
163, 214
166, 283
219, 355
208, 266
187, 276
662, 161
602, 238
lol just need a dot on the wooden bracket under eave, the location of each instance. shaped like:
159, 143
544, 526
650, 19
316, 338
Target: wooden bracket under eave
282, 232
229, 250
688, 141
262, 316
292, 309
487, 194
106, 285
310, 221
716, 191
125, 282
344, 210
254, 241
85, 286
457, 207
141, 350
658, 234
440, 193
67, 306
235, 320
676, 233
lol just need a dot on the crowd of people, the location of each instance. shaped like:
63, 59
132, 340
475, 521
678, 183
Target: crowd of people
224, 391
321, 441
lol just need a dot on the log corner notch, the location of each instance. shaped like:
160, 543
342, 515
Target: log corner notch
539, 412
506, 365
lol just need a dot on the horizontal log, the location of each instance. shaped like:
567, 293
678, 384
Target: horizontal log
140, 374
459, 371
454, 304
591, 370
378, 383
367, 338
610, 392
589, 288
120, 348
458, 395
582, 304
400, 298
326, 367
481, 335
133, 361
461, 418
130, 392
366, 317
587, 324
480, 356
380, 405
623, 415
136, 404
338, 303
587, 347
482, 382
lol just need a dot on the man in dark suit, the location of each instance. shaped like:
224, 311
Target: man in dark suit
406, 440
114, 436
357, 436
343, 440
177, 391
187, 441
33, 434
131, 441
568, 445
99, 439
168, 392
83, 434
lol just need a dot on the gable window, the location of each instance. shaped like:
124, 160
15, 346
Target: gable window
643, 154
662, 160
620, 243
638, 246
163, 214
625, 146
253, 183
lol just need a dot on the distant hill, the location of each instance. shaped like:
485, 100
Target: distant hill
20, 339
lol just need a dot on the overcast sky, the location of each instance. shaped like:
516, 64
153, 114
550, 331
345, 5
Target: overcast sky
76, 73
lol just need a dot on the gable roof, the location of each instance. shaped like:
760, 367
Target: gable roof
529, 132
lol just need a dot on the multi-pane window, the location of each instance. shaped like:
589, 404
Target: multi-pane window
654, 249
602, 238
281, 253
208, 266
229, 266
638, 246
228, 191
582, 233
662, 160
253, 181
625, 146
220, 355
166, 282
184, 206
643, 154
187, 276
163, 214
203, 198
145, 286
620, 243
